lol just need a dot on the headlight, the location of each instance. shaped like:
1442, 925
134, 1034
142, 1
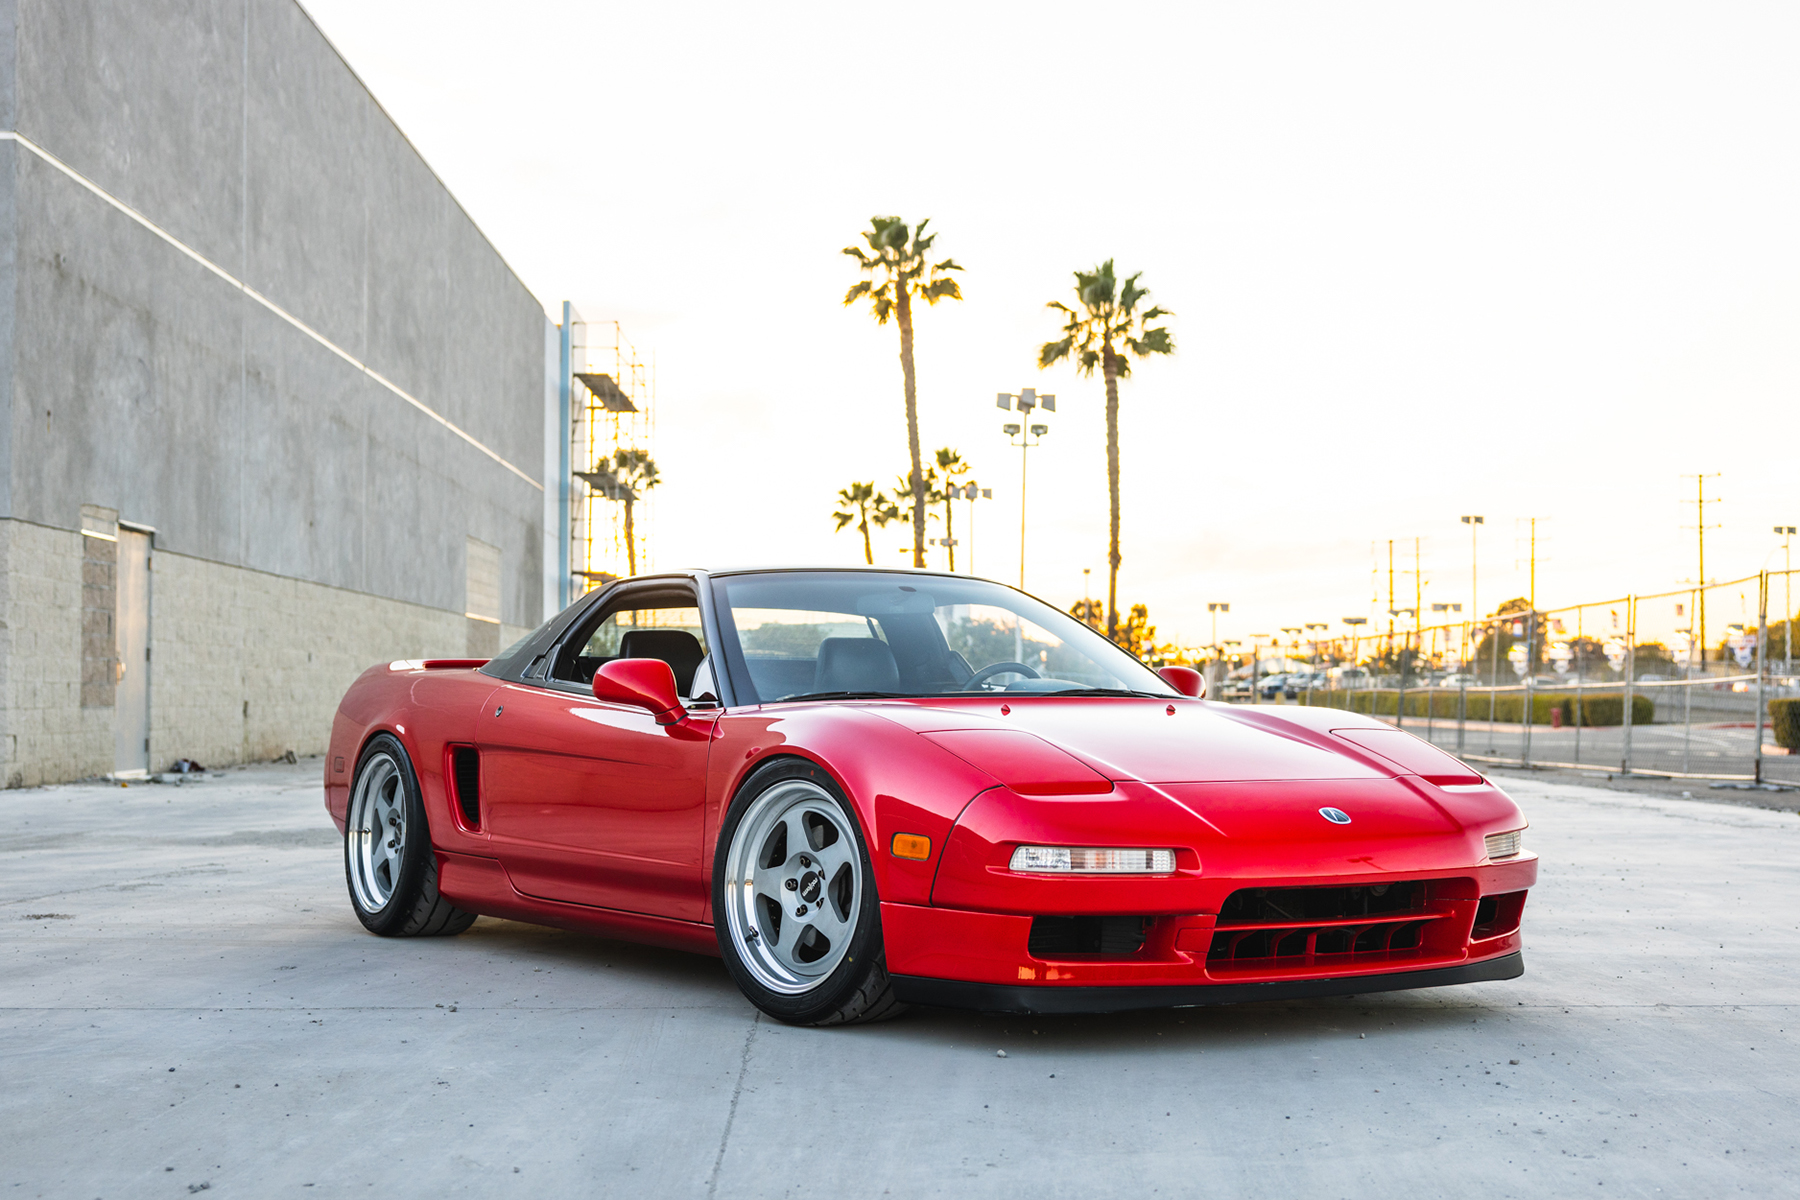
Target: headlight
1091, 860
1505, 845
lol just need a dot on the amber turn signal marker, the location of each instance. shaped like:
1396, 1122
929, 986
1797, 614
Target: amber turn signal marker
912, 845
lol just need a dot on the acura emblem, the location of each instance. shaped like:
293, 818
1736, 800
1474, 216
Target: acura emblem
1336, 816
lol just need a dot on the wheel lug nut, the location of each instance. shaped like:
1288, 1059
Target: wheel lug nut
800, 911
791, 884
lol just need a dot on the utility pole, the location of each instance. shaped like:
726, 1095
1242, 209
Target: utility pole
1700, 503
1473, 522
1787, 582
1390, 593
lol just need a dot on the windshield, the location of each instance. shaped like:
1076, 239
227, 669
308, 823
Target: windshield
797, 635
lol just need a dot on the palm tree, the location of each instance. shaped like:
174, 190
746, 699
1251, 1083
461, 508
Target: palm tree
1107, 331
631, 470
951, 466
863, 504
897, 272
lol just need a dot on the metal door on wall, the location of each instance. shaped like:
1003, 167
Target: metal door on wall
131, 703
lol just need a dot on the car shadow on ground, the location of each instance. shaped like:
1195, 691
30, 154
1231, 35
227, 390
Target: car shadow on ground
648, 966
687, 979
1205, 1028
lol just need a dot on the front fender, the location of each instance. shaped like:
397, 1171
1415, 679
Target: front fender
897, 782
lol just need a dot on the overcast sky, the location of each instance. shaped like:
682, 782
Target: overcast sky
1425, 260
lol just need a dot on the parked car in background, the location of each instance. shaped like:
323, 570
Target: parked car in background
1458, 681
1269, 685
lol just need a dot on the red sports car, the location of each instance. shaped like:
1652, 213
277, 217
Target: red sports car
868, 788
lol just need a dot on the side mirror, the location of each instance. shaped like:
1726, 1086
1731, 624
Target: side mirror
647, 683
1185, 680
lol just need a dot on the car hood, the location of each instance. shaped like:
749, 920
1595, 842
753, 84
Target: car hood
1051, 745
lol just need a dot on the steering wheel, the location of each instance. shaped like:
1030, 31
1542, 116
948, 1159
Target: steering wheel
1000, 668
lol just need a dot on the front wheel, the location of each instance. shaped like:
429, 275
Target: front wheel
389, 862
794, 902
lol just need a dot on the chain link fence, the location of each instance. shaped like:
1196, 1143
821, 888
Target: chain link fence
1692, 684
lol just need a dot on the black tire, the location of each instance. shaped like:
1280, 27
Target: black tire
857, 990
399, 896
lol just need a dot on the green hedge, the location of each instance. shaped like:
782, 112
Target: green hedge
1602, 709
1784, 715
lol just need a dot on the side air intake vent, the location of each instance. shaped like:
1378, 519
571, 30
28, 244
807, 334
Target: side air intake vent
465, 766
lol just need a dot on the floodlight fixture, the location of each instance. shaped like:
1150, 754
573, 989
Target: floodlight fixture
1009, 430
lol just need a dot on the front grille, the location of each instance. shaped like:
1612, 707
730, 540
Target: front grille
1295, 928
1112, 937
1278, 906
1505, 845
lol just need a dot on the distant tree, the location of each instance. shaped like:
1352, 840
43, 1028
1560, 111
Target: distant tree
1653, 658
632, 471
898, 272
862, 505
1500, 630
1137, 634
1090, 613
1104, 335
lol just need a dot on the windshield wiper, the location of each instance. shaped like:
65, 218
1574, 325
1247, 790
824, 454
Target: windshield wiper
842, 696
1094, 691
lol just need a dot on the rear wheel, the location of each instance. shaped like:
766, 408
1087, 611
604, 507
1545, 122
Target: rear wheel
388, 860
794, 903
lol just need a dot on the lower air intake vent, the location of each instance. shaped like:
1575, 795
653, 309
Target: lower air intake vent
465, 765
1057, 937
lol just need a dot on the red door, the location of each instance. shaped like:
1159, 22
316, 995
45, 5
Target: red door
593, 803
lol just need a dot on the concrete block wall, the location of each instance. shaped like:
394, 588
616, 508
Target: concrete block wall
249, 665
46, 734
245, 665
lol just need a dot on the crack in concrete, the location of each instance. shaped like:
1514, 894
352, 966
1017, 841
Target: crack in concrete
712, 1182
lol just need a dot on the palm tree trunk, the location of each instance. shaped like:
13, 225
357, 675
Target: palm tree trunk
868, 548
949, 533
1112, 490
630, 539
903, 313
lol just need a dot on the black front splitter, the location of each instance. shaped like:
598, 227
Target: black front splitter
1011, 998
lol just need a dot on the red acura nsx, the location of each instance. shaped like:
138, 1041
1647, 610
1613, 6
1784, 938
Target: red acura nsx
869, 788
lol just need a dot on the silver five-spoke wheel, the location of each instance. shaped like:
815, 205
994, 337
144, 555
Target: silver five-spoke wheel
377, 832
794, 889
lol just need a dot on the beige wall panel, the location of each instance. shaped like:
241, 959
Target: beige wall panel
244, 666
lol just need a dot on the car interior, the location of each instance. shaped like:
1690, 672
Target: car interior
664, 626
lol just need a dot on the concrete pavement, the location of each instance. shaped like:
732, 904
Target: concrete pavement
188, 1004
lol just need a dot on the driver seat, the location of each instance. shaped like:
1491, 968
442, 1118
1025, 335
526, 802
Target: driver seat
856, 664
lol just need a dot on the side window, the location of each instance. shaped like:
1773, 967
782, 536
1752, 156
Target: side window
663, 628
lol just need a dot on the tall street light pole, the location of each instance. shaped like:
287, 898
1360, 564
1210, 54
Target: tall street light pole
1787, 611
971, 493
1021, 435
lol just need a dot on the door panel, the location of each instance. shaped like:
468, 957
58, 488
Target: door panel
594, 803
131, 700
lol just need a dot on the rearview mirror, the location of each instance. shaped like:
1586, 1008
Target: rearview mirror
1185, 680
647, 683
